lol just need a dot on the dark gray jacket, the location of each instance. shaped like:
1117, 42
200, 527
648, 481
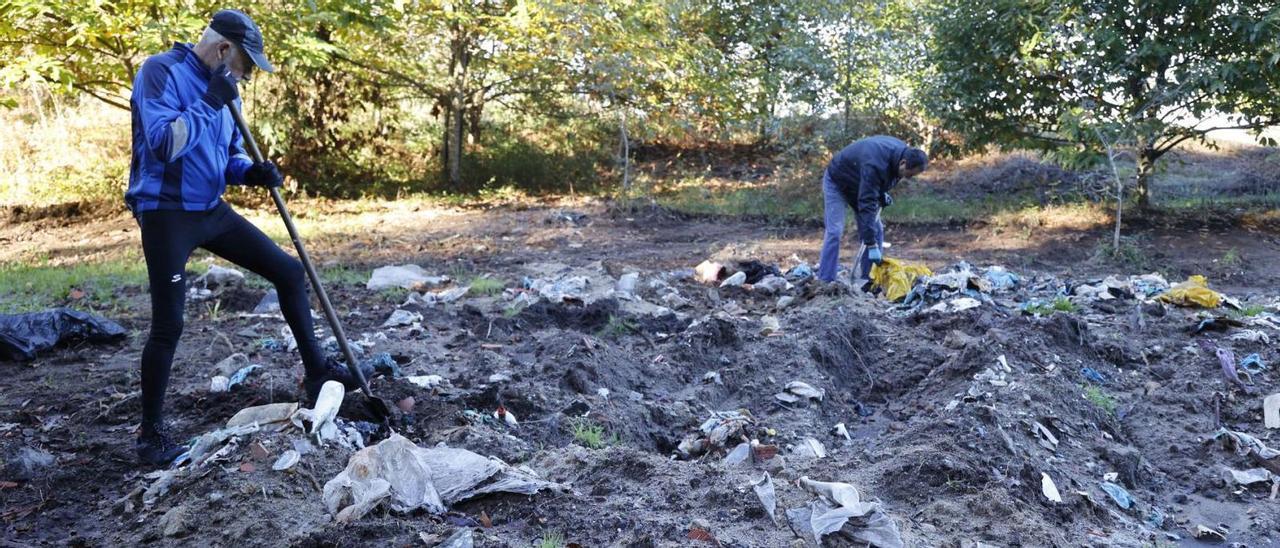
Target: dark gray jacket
864, 171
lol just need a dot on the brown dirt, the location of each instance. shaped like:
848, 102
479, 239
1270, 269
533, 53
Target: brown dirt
948, 475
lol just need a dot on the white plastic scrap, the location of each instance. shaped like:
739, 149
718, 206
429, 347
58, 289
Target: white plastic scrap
958, 304
431, 298
832, 512
771, 284
1250, 335
407, 276
627, 283
408, 477
426, 381
768, 497
286, 460
322, 415
1252, 476
401, 318
1049, 488
797, 390
734, 280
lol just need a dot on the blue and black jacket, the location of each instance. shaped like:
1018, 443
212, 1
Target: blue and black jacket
185, 153
864, 171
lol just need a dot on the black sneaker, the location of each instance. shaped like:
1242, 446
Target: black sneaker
155, 446
335, 371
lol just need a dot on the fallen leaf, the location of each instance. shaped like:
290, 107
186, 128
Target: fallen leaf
247, 467
406, 405
485, 520
8, 484
258, 452
75, 294
703, 535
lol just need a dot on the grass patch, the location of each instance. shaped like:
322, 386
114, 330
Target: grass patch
1060, 304
484, 285
343, 275
1130, 255
551, 539
394, 295
591, 435
1100, 399
32, 287
1232, 258
1248, 311
616, 327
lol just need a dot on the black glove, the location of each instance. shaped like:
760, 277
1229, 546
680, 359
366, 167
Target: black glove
886, 200
222, 88
263, 174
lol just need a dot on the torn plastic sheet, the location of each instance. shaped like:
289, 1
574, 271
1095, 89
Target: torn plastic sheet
408, 276
22, 336
408, 477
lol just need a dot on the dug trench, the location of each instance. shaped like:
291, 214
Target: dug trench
953, 421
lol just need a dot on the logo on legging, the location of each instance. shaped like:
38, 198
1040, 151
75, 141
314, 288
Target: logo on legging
176, 278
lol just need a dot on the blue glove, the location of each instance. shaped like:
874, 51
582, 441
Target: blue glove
874, 254
222, 88
885, 200
263, 174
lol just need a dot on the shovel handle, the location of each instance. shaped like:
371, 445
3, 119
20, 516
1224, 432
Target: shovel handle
312, 275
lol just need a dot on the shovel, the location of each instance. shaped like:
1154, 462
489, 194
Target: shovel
377, 406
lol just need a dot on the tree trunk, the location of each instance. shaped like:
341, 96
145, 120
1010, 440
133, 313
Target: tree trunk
624, 148
1146, 166
456, 110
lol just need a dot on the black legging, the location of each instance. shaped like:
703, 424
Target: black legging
168, 238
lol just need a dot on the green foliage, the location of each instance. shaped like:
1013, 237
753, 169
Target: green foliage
1248, 311
551, 539
616, 327
484, 285
1060, 304
591, 435
1129, 255
1100, 399
40, 284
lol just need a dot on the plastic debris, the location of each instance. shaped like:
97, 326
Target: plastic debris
322, 415
1253, 363
769, 325
1208, 534
1252, 476
408, 477
506, 416
1093, 375
286, 460
842, 431
1244, 444
839, 493
1148, 285
1193, 292
382, 364
461, 538
797, 391
1250, 335
241, 374
27, 463
710, 271
734, 280
840, 511
714, 433
771, 284
1227, 359
219, 384
207, 446
627, 283
263, 414
810, 448
430, 298
426, 381
1001, 279
1049, 488
1118, 494
270, 303
409, 276
894, 278
800, 271
958, 304
22, 336
768, 497
401, 318
1271, 411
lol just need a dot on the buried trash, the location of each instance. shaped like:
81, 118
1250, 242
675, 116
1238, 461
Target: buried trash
840, 511
407, 477
22, 336
1118, 494
286, 460
1271, 411
734, 280
894, 278
409, 276
1049, 488
768, 497
714, 433
1193, 292
401, 318
796, 391
323, 414
263, 414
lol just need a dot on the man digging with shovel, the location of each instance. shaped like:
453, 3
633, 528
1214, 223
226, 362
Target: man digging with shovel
861, 176
186, 149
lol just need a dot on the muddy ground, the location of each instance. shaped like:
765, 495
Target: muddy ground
949, 415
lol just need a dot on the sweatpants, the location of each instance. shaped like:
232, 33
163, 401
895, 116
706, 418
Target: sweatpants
168, 238
834, 204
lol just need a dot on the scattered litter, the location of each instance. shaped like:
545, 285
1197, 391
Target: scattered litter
1253, 363
1049, 488
839, 493
1244, 444
710, 272
502, 376
771, 284
270, 303
322, 415
408, 477
22, 336
849, 517
1227, 359
894, 278
1220, 323
757, 271
734, 280
409, 276
768, 497
712, 377
430, 298
506, 416
796, 391
1209, 535
570, 288
27, 463
1251, 476
263, 414
1118, 494
958, 304
461, 538
1193, 292
241, 374
1047, 439
1001, 279
1250, 335
769, 325
800, 271
286, 460
207, 447
214, 282
785, 301
401, 318
426, 381
810, 448
219, 384
714, 433
627, 283
842, 431
1149, 285
1093, 375
1271, 411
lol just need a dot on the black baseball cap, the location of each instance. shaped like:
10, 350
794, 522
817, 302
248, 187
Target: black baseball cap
239, 29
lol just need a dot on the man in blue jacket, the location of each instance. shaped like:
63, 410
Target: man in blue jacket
186, 150
861, 176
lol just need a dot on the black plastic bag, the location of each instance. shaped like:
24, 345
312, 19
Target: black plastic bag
22, 336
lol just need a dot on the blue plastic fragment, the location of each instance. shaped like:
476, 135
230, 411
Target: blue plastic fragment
383, 363
241, 374
1253, 363
1118, 494
1091, 374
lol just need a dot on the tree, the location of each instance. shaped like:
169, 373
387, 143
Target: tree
1168, 71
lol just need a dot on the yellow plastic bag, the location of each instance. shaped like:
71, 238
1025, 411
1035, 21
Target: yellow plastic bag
894, 278
1193, 292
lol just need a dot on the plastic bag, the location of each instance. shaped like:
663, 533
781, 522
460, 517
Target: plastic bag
1193, 292
895, 278
22, 336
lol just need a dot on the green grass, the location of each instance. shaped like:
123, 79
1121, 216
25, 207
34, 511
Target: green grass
1060, 304
1100, 399
31, 287
616, 327
486, 286
344, 275
591, 435
1231, 258
1131, 254
1248, 311
551, 539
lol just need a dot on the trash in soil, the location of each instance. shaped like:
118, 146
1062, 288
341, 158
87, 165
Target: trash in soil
286, 460
735, 280
209, 446
1049, 488
714, 433
241, 374
22, 336
1227, 359
958, 304
1250, 335
1220, 323
1253, 363
800, 272
1093, 375
1252, 476
219, 384
1244, 444
321, 416
408, 477
809, 448
270, 413
1194, 292
771, 284
840, 511
1271, 411
432, 298
710, 271
796, 391
213, 282
270, 303
401, 318
769, 325
1209, 535
27, 463
409, 276
1001, 279
503, 415
768, 497
1118, 494
427, 381
895, 278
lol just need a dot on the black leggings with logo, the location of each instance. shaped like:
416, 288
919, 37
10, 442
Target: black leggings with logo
168, 238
